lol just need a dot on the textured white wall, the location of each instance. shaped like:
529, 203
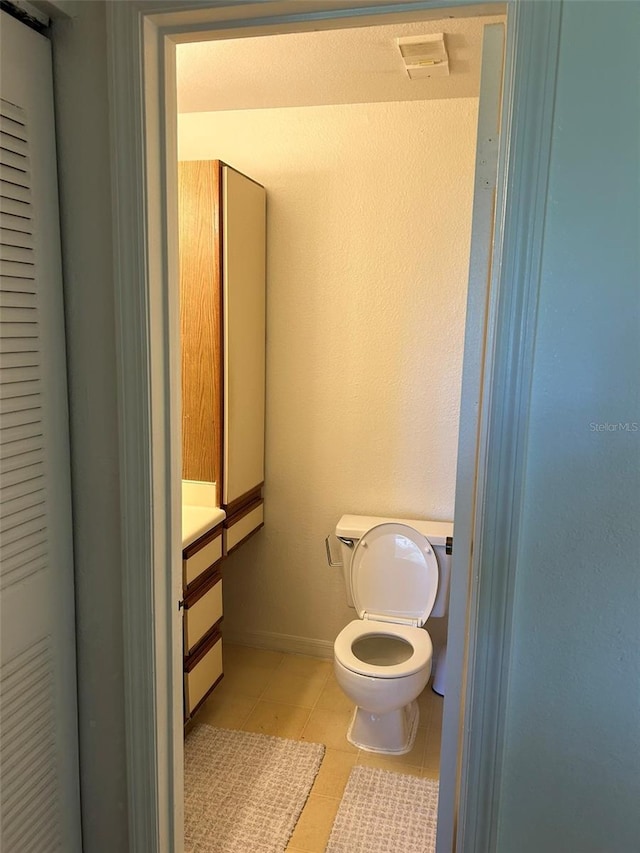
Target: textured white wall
369, 216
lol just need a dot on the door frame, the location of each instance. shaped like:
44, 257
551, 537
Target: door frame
142, 35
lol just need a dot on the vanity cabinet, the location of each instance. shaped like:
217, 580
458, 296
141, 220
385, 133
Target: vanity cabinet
222, 251
202, 617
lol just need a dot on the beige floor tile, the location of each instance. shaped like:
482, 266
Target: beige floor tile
329, 728
246, 680
304, 666
305, 682
302, 690
240, 656
226, 710
431, 763
429, 704
298, 697
334, 772
314, 827
369, 759
333, 698
275, 718
431, 756
437, 712
430, 772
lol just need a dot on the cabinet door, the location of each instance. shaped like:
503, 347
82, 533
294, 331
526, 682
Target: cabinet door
244, 267
200, 325
202, 673
202, 611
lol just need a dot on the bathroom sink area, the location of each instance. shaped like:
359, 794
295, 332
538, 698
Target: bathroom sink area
200, 510
196, 520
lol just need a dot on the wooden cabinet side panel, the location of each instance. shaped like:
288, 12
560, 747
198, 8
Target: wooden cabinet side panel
200, 319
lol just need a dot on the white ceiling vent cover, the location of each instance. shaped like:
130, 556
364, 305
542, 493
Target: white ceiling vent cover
424, 56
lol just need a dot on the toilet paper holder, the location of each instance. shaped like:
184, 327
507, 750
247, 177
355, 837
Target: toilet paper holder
333, 563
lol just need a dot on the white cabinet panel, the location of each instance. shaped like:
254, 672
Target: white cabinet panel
201, 616
202, 560
199, 680
244, 241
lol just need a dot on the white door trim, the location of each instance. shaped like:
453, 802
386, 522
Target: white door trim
471, 431
141, 34
491, 468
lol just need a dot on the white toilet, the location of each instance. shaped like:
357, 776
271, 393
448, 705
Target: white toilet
396, 575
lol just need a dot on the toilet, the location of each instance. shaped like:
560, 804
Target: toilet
396, 575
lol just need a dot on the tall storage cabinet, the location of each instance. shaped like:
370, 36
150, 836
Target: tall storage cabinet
222, 316
222, 299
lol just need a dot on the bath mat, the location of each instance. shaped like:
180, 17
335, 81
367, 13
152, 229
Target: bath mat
242, 791
385, 812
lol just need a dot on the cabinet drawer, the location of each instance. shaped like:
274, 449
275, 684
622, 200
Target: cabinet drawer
239, 527
201, 612
202, 675
202, 560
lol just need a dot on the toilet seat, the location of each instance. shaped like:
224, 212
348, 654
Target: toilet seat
394, 575
417, 638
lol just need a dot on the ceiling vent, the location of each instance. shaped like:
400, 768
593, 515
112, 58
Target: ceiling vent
424, 56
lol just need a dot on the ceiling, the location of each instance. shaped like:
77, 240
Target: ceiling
348, 66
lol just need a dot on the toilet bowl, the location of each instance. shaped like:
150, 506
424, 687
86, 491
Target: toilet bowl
382, 668
382, 660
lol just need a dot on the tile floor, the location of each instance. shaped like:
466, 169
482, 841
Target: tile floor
298, 697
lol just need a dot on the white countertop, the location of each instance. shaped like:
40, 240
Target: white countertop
196, 520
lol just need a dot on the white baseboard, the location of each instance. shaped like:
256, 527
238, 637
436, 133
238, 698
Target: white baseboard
281, 643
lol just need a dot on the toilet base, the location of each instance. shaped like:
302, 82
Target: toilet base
390, 734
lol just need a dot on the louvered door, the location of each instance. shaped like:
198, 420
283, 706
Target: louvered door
39, 801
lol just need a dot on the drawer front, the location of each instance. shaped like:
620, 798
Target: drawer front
202, 677
201, 616
239, 530
203, 559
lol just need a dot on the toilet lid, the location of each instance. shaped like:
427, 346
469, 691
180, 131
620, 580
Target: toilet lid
394, 574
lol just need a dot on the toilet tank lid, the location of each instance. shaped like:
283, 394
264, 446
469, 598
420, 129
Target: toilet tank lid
355, 526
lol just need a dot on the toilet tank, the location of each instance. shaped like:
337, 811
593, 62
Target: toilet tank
351, 528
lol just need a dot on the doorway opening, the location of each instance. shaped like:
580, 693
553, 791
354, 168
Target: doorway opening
368, 244
491, 457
